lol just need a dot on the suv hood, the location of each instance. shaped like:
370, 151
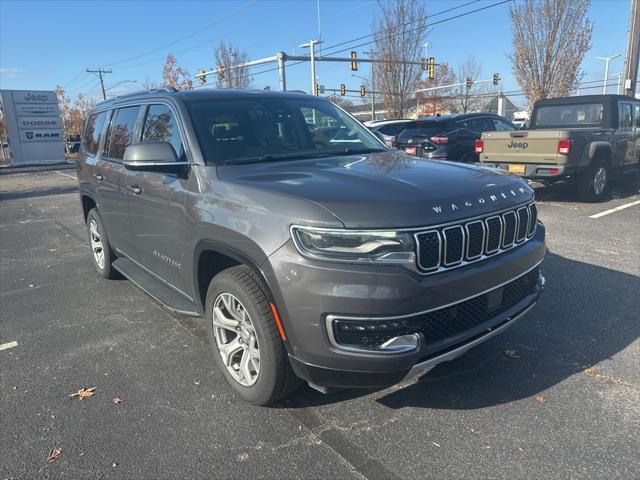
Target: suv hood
387, 189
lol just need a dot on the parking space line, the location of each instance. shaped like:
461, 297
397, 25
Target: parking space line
616, 209
7, 346
66, 175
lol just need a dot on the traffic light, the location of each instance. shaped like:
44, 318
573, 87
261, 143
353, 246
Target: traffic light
431, 68
496, 78
343, 89
202, 78
316, 89
220, 71
354, 61
363, 91
469, 82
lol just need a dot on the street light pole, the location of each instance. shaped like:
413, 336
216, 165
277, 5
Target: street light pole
312, 57
606, 70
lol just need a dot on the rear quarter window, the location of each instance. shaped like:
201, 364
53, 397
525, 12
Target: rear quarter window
93, 132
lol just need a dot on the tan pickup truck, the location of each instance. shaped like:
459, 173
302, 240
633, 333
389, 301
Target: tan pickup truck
585, 139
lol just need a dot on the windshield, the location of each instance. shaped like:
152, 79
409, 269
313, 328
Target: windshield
587, 114
246, 130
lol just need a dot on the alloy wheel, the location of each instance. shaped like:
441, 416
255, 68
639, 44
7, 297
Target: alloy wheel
96, 243
236, 339
599, 180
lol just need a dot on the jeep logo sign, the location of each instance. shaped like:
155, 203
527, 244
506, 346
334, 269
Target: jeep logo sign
518, 145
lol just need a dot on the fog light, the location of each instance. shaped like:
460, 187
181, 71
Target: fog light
385, 336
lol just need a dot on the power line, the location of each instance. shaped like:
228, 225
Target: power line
192, 34
404, 24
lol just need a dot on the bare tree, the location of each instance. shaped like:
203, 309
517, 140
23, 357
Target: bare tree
175, 76
550, 40
435, 101
399, 35
468, 99
230, 76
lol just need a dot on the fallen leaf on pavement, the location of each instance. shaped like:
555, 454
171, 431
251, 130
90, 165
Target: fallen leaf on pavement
435, 444
117, 400
54, 454
592, 372
540, 398
511, 354
84, 392
520, 450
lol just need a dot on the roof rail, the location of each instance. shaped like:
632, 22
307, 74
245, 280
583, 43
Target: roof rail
139, 92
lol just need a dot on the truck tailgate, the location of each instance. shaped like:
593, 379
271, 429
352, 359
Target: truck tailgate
522, 146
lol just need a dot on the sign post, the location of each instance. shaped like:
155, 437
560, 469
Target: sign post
34, 126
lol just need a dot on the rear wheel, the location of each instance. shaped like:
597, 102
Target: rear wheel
594, 184
102, 254
245, 339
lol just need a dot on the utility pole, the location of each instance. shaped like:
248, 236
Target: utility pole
100, 72
373, 88
312, 57
633, 50
606, 70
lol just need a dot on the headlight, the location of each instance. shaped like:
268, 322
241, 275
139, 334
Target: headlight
354, 245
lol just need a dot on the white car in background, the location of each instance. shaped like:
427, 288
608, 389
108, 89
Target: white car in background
387, 130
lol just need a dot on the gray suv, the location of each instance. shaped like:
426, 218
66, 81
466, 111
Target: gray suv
312, 251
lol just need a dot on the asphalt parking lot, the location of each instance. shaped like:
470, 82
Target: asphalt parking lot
556, 396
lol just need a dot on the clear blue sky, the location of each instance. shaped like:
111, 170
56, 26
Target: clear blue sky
44, 44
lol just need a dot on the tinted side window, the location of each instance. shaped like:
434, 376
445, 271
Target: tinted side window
478, 124
160, 126
626, 115
393, 129
501, 125
637, 106
93, 132
121, 131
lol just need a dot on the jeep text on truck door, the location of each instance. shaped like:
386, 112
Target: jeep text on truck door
311, 250
584, 139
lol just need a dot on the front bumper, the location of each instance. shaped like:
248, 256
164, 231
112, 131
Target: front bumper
308, 293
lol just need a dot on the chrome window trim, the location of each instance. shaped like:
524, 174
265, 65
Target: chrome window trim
332, 317
444, 250
486, 246
504, 245
484, 233
417, 240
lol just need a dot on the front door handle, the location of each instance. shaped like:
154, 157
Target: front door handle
98, 176
135, 189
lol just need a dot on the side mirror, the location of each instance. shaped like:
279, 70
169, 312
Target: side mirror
152, 157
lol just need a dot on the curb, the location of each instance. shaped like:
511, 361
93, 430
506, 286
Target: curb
37, 168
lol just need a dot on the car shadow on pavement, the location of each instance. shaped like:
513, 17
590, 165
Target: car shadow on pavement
43, 192
587, 314
623, 187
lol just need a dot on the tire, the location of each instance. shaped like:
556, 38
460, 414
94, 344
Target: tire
238, 295
594, 184
102, 254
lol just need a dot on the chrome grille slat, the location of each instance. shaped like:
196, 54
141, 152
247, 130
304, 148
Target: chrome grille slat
454, 245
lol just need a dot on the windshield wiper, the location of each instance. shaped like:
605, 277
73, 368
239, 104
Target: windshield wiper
275, 158
352, 151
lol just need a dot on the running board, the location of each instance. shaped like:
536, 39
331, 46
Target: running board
153, 287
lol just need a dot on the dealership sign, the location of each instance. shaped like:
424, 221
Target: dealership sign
34, 126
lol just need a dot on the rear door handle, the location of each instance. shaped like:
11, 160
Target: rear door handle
98, 176
135, 189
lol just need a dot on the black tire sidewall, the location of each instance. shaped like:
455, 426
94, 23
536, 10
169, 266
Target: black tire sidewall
271, 349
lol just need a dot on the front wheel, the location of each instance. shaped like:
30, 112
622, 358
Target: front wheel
101, 250
245, 339
593, 185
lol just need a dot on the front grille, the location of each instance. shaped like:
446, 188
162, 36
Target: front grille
439, 324
454, 245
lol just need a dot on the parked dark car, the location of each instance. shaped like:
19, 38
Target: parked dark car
313, 252
449, 137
